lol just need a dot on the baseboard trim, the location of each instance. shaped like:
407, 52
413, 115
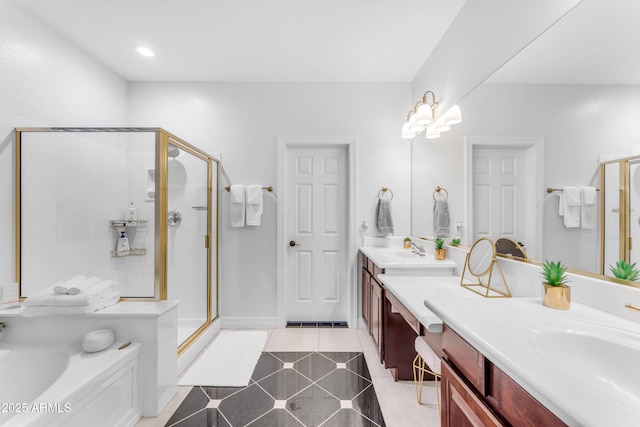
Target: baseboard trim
250, 322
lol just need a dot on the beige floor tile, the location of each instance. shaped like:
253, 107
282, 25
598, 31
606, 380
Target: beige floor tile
164, 416
293, 339
338, 339
366, 340
400, 407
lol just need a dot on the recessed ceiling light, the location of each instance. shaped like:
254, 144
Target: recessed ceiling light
146, 51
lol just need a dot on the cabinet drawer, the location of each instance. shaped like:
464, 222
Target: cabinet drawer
406, 314
469, 361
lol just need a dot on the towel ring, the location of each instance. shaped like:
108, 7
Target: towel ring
437, 190
384, 190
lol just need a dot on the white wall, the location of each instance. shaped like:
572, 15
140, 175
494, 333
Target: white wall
484, 36
578, 123
242, 122
45, 81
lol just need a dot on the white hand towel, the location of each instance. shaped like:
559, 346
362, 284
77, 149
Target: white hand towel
254, 204
588, 211
237, 205
572, 196
571, 207
62, 288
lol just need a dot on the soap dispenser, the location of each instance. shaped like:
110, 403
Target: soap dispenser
122, 248
132, 213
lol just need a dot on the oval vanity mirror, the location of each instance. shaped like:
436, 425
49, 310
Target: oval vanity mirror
481, 257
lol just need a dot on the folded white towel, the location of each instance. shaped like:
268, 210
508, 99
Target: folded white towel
254, 205
237, 205
43, 310
571, 209
588, 211
88, 297
62, 288
82, 286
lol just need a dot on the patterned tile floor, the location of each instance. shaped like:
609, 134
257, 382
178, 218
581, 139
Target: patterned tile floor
302, 389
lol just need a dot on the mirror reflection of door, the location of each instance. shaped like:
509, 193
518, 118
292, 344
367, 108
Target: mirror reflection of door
498, 192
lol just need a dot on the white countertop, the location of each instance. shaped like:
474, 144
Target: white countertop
411, 291
398, 258
576, 385
121, 309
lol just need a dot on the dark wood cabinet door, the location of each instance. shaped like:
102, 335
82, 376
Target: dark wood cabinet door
366, 298
376, 314
461, 407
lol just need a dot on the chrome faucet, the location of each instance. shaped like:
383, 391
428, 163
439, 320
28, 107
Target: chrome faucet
418, 249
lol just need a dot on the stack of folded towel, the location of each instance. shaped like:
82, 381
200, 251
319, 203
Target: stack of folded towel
78, 295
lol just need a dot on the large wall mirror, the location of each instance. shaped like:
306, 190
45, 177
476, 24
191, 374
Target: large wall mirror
547, 118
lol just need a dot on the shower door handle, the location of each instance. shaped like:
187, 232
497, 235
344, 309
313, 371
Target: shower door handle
293, 243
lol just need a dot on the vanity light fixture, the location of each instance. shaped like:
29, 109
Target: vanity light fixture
431, 132
146, 51
425, 111
423, 114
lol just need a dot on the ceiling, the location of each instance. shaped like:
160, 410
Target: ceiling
254, 40
598, 42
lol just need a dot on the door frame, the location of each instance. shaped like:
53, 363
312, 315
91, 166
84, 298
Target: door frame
534, 184
284, 143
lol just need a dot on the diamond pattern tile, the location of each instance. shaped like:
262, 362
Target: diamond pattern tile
316, 388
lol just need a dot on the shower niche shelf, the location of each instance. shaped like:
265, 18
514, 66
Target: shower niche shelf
119, 223
123, 224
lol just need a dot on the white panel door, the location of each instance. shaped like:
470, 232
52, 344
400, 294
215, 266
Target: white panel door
498, 193
316, 276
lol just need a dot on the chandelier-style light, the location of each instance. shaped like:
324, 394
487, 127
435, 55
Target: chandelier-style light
422, 117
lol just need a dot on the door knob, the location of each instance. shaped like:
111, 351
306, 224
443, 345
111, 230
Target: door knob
293, 243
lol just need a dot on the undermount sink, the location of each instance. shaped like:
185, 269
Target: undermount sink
603, 356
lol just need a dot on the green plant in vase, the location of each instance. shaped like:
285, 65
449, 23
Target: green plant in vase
441, 252
556, 293
407, 242
625, 271
455, 242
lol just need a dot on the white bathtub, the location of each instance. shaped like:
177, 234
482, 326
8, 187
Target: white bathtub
47, 386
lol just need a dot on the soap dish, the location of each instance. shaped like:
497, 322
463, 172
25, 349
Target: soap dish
97, 340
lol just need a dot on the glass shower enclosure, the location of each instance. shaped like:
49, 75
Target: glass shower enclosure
80, 191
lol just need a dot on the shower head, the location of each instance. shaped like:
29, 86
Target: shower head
173, 151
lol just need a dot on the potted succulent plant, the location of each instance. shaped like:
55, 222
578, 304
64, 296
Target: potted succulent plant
556, 294
455, 242
407, 243
625, 271
441, 251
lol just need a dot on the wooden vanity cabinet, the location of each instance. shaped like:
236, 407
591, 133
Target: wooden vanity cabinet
461, 407
475, 392
376, 316
372, 299
366, 293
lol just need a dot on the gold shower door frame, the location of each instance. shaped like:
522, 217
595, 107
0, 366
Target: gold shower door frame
162, 141
624, 183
